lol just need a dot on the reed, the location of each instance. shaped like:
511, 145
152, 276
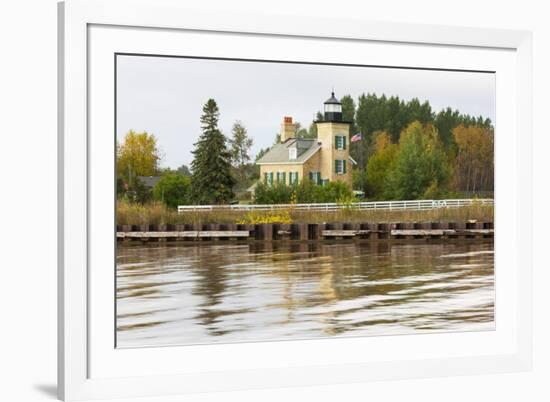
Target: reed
156, 213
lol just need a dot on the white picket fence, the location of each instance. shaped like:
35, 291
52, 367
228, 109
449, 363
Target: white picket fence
414, 205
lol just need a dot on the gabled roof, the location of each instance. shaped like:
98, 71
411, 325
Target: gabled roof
279, 153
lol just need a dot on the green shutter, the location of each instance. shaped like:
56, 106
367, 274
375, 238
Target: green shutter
344, 142
284, 177
344, 166
296, 177
336, 166
265, 177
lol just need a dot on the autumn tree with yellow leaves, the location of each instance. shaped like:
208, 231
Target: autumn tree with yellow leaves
138, 155
474, 163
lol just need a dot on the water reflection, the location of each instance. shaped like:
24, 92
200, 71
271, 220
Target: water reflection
184, 294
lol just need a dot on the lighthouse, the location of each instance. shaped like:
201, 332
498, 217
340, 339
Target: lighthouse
320, 160
333, 135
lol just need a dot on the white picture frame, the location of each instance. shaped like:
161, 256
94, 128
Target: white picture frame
90, 367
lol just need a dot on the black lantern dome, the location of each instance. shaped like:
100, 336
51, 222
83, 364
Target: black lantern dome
333, 109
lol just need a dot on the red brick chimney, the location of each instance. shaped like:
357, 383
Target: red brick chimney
288, 129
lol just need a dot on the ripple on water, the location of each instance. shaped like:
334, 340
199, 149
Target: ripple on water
180, 294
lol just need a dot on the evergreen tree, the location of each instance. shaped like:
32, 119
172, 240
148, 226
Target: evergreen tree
183, 170
421, 112
445, 121
302, 132
261, 153
211, 180
359, 150
348, 112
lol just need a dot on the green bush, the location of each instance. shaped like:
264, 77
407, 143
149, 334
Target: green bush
305, 192
173, 189
335, 191
276, 194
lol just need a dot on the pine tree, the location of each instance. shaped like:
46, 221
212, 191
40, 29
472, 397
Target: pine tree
211, 180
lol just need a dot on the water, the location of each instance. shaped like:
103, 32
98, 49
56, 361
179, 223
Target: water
188, 294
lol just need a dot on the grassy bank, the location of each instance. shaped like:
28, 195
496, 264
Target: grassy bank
159, 214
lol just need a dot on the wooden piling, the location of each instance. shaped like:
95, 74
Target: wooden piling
384, 230
302, 231
267, 231
372, 231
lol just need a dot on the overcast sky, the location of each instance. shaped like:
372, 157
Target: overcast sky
165, 96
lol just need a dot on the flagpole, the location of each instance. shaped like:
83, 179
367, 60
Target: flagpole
361, 153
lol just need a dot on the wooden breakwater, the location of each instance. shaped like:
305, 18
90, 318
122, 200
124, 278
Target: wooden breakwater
403, 232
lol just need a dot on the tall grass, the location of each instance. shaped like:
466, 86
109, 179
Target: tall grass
158, 214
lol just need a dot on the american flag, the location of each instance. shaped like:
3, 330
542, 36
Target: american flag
357, 137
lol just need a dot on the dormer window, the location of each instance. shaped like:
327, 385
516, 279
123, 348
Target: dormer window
292, 153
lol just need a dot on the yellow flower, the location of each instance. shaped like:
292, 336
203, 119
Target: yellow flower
254, 218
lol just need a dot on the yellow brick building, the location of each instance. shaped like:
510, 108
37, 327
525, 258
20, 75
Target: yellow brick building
322, 159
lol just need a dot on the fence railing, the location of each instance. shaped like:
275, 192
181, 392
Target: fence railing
413, 205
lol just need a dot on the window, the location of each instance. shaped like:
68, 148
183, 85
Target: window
340, 166
293, 177
281, 177
315, 177
268, 178
340, 142
292, 153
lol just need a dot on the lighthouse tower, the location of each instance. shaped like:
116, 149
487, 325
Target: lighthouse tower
333, 134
